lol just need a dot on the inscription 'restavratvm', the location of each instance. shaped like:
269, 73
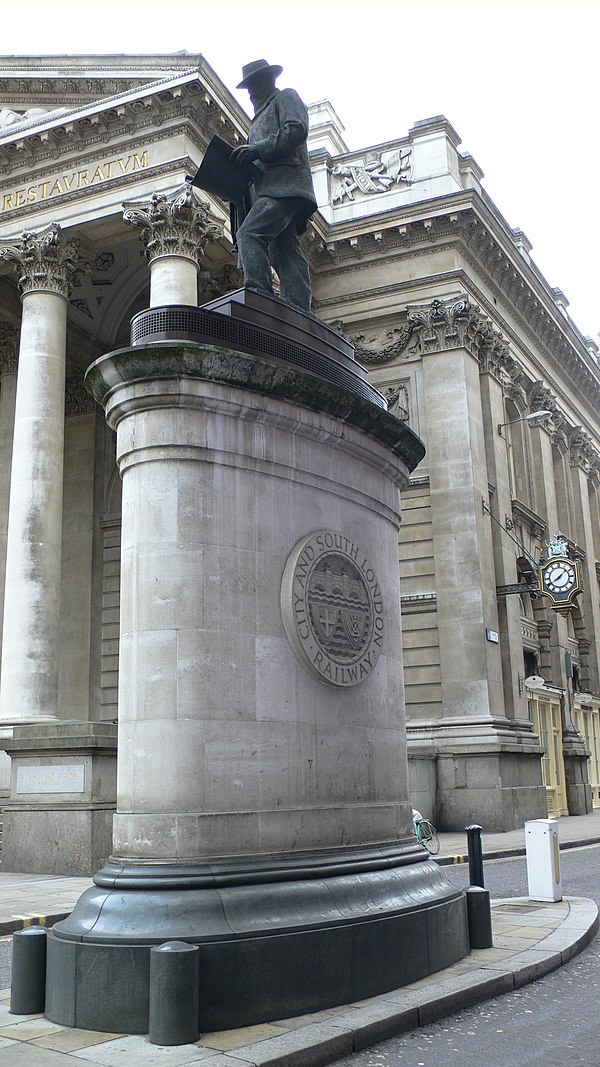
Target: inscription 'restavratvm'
74, 180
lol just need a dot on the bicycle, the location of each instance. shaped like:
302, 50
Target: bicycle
426, 833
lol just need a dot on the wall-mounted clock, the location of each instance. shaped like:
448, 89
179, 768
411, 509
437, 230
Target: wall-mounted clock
560, 581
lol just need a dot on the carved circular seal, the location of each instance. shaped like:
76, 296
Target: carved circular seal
332, 609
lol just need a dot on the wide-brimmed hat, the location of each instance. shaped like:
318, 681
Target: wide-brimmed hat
258, 66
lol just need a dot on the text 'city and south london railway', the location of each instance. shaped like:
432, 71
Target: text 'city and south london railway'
332, 608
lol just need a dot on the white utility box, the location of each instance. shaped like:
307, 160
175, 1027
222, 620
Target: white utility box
543, 859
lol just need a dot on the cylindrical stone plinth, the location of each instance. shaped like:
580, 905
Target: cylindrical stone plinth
173, 280
262, 808
29, 686
227, 745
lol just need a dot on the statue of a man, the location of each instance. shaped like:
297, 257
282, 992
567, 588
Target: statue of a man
282, 195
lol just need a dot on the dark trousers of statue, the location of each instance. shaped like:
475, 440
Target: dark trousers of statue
268, 237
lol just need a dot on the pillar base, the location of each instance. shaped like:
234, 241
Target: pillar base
485, 771
58, 818
276, 938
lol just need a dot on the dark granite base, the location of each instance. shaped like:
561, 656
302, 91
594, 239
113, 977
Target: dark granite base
271, 944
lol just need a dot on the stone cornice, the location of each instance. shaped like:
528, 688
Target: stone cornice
373, 235
127, 113
470, 224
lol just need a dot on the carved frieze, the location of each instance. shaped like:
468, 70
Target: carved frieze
394, 343
77, 399
9, 348
371, 174
44, 261
210, 287
175, 224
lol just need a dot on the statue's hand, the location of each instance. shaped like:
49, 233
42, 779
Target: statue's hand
244, 155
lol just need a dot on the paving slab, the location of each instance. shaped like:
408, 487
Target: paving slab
561, 929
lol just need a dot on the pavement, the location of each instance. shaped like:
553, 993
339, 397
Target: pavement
531, 939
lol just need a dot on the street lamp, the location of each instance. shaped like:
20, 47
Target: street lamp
533, 416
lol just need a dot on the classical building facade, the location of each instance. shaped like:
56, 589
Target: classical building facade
414, 263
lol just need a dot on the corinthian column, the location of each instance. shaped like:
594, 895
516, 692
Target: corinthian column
9, 343
45, 263
175, 230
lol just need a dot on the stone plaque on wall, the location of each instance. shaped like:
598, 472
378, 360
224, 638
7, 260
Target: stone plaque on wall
55, 778
332, 609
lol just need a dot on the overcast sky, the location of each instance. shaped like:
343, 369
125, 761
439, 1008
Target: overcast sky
518, 79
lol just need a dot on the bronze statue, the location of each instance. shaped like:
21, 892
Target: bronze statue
281, 196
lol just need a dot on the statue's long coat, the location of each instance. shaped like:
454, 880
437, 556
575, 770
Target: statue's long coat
279, 131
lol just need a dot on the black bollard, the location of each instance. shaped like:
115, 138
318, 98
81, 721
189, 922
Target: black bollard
174, 994
479, 915
474, 848
28, 978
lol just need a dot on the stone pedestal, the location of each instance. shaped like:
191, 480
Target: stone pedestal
262, 808
58, 819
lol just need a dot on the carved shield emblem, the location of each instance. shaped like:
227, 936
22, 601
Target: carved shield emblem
332, 608
325, 618
354, 621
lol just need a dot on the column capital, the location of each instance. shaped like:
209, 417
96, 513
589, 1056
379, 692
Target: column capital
177, 224
539, 396
582, 452
46, 261
453, 323
9, 347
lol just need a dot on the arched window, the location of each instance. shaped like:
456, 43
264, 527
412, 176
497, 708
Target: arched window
560, 485
594, 500
517, 467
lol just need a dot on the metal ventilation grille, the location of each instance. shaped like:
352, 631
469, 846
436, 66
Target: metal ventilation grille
193, 324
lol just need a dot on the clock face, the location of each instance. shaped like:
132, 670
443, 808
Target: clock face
560, 577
